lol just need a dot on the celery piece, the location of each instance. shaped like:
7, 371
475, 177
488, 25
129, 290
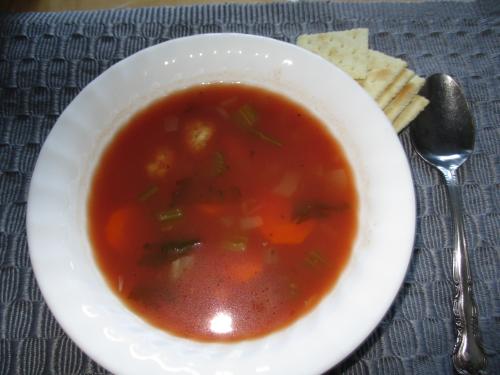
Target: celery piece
169, 215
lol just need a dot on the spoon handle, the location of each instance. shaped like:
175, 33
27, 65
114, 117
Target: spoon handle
468, 356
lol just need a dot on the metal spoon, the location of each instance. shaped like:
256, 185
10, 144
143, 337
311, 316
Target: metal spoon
443, 135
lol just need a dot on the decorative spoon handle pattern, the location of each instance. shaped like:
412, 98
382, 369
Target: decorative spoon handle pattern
468, 356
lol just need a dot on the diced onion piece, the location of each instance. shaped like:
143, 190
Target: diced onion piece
121, 282
171, 124
250, 222
236, 244
251, 206
271, 256
229, 101
180, 265
223, 113
288, 184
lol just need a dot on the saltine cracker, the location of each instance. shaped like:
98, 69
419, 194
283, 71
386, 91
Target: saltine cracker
346, 49
382, 70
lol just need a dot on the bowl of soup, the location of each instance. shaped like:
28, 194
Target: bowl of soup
221, 203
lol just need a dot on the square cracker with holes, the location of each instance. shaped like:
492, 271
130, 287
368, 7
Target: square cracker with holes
346, 49
382, 71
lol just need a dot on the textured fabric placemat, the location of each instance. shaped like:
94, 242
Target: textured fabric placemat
47, 58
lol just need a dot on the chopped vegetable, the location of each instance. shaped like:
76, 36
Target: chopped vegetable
199, 133
179, 266
169, 215
236, 244
287, 233
271, 256
179, 247
265, 137
246, 116
121, 282
250, 222
160, 164
308, 211
222, 112
121, 223
244, 271
251, 206
171, 124
288, 184
277, 227
314, 259
116, 228
148, 193
219, 164
156, 255
227, 102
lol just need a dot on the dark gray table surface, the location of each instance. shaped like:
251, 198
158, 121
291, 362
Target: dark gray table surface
47, 58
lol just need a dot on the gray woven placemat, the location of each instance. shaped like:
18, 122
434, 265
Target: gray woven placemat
46, 59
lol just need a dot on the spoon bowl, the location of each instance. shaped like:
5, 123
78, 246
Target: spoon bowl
443, 135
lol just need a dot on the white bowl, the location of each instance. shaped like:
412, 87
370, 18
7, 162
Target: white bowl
61, 254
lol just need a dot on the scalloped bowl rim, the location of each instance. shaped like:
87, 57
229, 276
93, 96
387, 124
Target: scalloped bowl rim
61, 255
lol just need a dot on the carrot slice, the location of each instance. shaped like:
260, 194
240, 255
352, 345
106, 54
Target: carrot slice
244, 271
278, 227
288, 233
124, 228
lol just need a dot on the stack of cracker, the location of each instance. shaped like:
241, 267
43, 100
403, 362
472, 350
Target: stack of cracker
387, 79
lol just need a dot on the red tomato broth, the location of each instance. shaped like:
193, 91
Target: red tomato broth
266, 218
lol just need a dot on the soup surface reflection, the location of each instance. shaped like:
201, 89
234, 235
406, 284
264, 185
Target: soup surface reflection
222, 212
